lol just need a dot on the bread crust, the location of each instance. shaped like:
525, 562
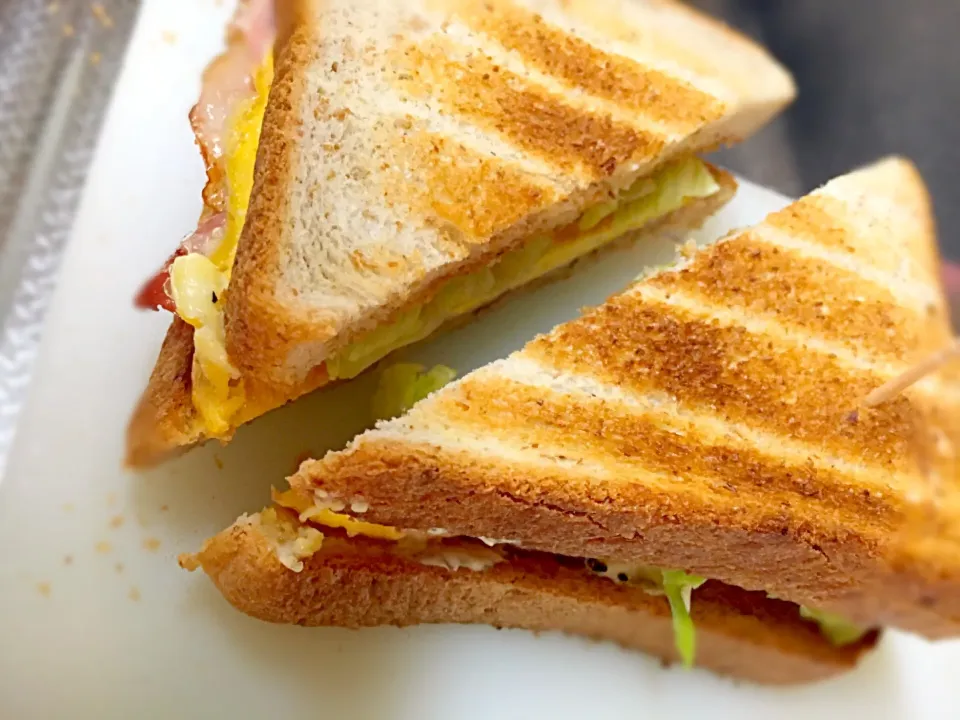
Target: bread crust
361, 583
166, 422
702, 420
256, 319
165, 418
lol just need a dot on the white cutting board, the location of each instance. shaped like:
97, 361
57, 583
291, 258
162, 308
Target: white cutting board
97, 620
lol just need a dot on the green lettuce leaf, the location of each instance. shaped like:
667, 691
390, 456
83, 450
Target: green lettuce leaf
839, 631
403, 385
678, 587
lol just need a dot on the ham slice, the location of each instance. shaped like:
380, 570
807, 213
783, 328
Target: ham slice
227, 81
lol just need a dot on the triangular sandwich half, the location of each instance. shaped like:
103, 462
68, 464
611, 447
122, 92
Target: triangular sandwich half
711, 419
706, 423
416, 161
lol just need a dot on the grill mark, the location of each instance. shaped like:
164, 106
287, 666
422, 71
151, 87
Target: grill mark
632, 444
738, 376
478, 194
820, 298
617, 26
922, 296
653, 93
571, 138
826, 221
926, 390
669, 413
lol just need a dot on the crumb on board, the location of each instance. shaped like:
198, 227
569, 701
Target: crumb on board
217, 461
53, 8
118, 568
68, 559
101, 14
134, 593
116, 521
111, 499
43, 588
169, 37
103, 547
68, 30
68, 507
95, 58
151, 544
164, 508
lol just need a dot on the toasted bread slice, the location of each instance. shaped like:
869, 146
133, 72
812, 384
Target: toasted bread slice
166, 422
407, 143
707, 419
362, 582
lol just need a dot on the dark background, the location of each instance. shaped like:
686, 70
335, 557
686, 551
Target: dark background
874, 77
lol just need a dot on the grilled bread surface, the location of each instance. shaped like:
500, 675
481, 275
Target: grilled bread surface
408, 142
166, 422
362, 583
418, 140
707, 419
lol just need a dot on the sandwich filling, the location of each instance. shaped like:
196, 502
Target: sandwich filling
194, 280
296, 524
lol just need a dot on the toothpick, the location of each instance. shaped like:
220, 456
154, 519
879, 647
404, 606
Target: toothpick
890, 389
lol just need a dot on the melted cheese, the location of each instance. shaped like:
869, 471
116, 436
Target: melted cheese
324, 514
292, 543
197, 282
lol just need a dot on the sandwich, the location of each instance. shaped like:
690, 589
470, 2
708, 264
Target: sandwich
360, 580
378, 170
710, 434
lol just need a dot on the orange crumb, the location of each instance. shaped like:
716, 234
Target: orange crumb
134, 593
103, 547
43, 588
151, 544
111, 499
164, 508
218, 462
116, 521
101, 14
68, 30
169, 37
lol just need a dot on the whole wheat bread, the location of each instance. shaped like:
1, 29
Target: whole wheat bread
166, 422
408, 142
707, 419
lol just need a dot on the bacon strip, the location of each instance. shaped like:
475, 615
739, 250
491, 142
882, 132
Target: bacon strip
227, 81
154, 294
